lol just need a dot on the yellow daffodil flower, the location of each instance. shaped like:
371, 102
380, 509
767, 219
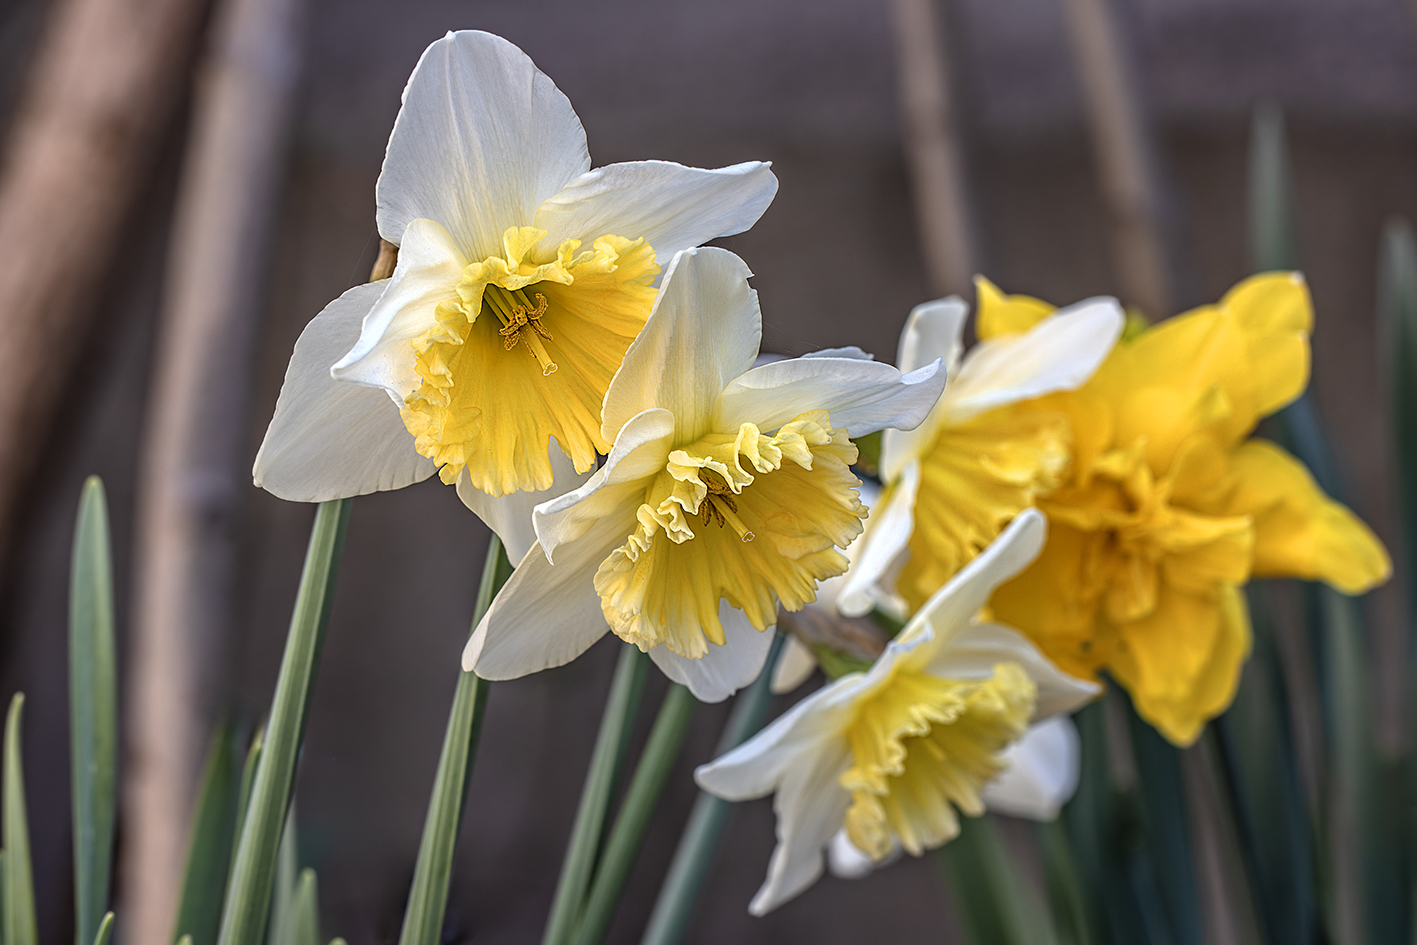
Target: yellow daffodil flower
956, 480
522, 278
1170, 507
727, 493
891, 754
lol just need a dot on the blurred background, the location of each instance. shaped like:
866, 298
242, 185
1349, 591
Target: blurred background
185, 183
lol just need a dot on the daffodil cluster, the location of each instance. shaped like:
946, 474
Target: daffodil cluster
557, 343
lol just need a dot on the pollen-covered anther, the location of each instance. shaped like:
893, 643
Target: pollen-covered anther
522, 321
720, 505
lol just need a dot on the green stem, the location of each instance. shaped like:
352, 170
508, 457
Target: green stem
428, 896
993, 904
248, 898
633, 819
595, 796
680, 892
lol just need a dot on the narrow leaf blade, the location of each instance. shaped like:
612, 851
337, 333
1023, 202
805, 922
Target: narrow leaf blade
20, 927
210, 844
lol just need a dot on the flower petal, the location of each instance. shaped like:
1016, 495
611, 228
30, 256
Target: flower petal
725, 669
482, 139
1042, 772
670, 206
703, 331
933, 330
794, 667
952, 608
329, 439
639, 452
846, 861
1059, 353
877, 556
510, 515
974, 652
546, 616
810, 806
429, 267
862, 396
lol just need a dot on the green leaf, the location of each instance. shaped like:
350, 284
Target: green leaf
307, 910
1067, 902
248, 781
248, 898
605, 761
283, 912
93, 710
683, 882
210, 844
994, 903
1167, 825
1272, 242
428, 897
640, 800
105, 931
19, 925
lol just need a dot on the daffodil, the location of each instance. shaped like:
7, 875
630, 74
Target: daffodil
1040, 773
522, 278
956, 480
894, 754
1170, 506
727, 493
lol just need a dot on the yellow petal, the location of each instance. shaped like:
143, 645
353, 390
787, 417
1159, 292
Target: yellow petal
1182, 664
974, 479
1001, 314
1299, 531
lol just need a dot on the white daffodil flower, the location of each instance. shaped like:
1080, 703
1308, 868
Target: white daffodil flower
979, 458
889, 754
728, 491
1040, 774
522, 278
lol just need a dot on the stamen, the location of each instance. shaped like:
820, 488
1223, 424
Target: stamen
523, 322
733, 520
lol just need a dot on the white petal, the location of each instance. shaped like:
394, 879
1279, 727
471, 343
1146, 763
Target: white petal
952, 608
545, 616
853, 352
1042, 773
702, 332
428, 270
329, 439
671, 206
810, 727
794, 667
846, 861
933, 330
881, 548
482, 139
973, 652
811, 805
1059, 353
641, 451
510, 515
863, 396
724, 669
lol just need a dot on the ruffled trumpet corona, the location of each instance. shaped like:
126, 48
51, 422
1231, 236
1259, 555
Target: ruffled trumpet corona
956, 480
727, 492
892, 755
522, 278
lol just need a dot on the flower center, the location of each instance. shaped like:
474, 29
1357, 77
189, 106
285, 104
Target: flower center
521, 321
922, 746
747, 518
484, 408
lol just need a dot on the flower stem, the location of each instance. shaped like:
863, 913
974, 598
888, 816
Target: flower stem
595, 796
993, 903
680, 892
640, 800
428, 896
248, 896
